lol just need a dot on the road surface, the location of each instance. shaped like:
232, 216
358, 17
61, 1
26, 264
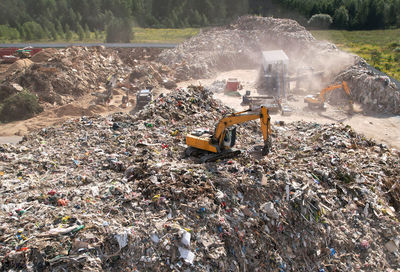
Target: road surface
63, 45
10, 139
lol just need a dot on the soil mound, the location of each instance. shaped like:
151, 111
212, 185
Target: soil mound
44, 55
19, 65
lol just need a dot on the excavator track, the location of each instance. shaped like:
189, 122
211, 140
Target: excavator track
212, 157
205, 156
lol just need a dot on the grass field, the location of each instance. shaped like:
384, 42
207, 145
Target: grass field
164, 35
141, 35
381, 48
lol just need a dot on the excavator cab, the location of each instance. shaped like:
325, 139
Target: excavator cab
230, 137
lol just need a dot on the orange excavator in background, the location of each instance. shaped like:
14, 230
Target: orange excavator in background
318, 101
218, 145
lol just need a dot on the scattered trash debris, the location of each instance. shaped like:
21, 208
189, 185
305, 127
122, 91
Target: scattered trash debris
325, 198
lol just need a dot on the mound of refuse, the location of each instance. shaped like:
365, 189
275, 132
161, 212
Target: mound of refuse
59, 77
112, 193
372, 88
65, 75
239, 45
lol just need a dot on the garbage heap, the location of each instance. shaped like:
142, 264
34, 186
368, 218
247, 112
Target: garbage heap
63, 76
239, 46
132, 56
105, 194
375, 90
68, 73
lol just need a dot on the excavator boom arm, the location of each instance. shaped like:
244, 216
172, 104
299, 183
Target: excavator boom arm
241, 117
334, 87
328, 89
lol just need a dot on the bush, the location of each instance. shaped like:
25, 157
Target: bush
20, 106
33, 31
8, 33
320, 21
119, 30
376, 57
393, 45
341, 17
5, 92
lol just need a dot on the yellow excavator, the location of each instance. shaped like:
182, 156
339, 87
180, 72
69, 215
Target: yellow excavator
318, 101
218, 145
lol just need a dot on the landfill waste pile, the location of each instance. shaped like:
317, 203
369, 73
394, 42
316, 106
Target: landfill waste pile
69, 73
59, 77
372, 89
239, 45
217, 86
131, 56
116, 193
152, 74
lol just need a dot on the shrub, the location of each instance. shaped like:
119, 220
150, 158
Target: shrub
119, 30
5, 92
8, 33
20, 106
393, 45
341, 17
320, 21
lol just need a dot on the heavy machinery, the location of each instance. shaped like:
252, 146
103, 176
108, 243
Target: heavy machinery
143, 97
269, 101
24, 53
232, 86
318, 101
218, 145
272, 103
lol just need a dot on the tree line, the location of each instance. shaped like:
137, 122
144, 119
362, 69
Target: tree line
53, 19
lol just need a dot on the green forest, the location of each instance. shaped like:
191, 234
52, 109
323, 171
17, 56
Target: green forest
54, 19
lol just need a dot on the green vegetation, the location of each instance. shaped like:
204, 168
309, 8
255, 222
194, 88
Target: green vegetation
33, 20
320, 21
119, 30
22, 105
381, 48
346, 14
140, 35
163, 35
36, 20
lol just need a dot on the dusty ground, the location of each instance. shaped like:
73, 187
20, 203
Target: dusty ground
86, 106
385, 129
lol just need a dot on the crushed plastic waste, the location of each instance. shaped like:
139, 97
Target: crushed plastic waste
324, 199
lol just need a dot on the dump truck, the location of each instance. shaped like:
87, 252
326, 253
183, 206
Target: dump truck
232, 86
